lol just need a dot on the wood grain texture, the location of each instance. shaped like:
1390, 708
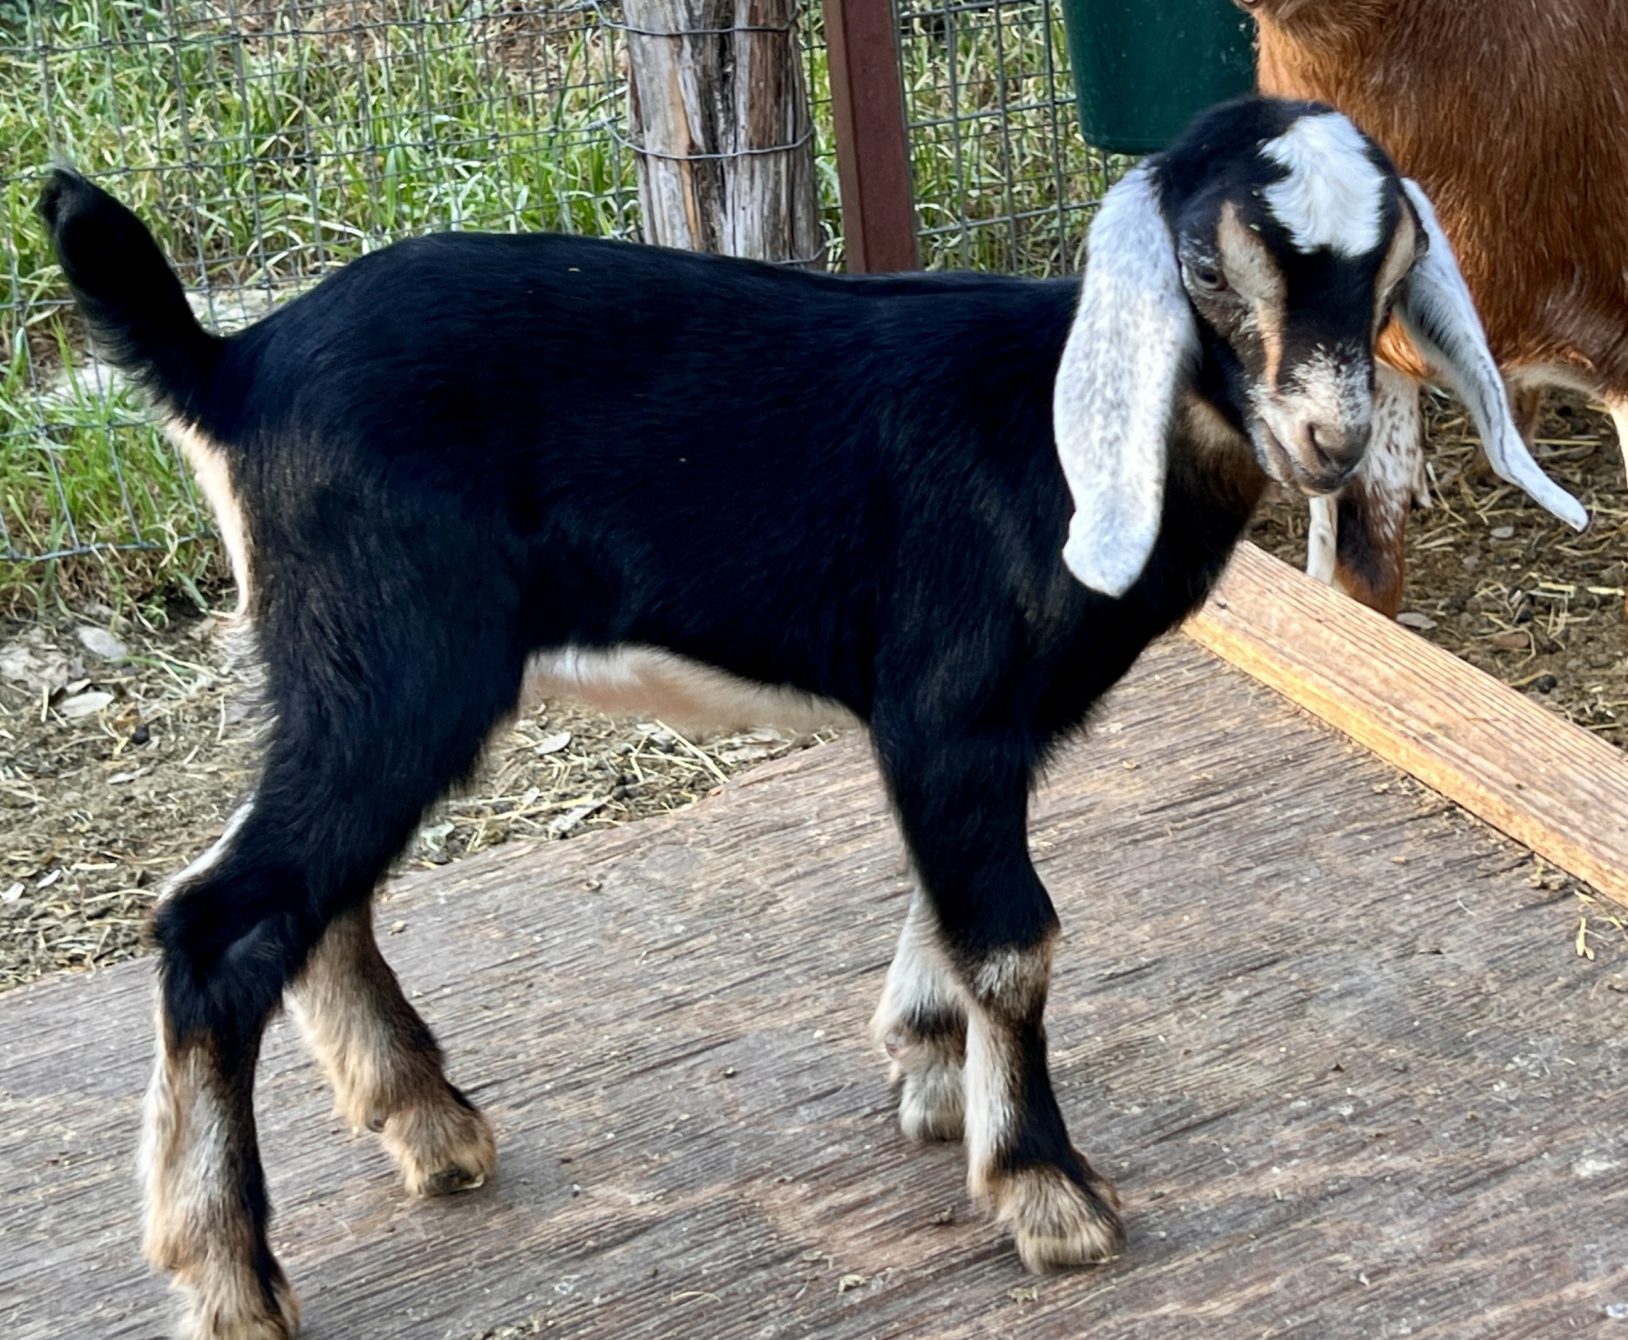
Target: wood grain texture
720, 114
1340, 1057
1550, 785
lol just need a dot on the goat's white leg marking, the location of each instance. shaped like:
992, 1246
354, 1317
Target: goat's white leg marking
1322, 539
197, 1228
921, 1022
1053, 1219
1394, 465
384, 1062
1619, 417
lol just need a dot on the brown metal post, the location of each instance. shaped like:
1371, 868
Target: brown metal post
873, 156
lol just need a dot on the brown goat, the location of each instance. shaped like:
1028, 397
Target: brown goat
1511, 114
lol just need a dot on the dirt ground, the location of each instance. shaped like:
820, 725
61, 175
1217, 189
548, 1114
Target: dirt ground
125, 742
123, 752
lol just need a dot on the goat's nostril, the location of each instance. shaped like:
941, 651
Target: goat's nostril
1337, 447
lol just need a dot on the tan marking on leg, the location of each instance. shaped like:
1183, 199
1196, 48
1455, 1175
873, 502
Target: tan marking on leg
1005, 988
195, 1143
1014, 981
209, 467
1526, 405
991, 1078
927, 1071
384, 1063
1053, 1222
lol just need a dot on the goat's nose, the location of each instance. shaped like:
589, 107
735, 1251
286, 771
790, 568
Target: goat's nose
1336, 448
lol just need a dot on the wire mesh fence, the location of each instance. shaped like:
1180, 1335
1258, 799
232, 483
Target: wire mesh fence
267, 141
1002, 179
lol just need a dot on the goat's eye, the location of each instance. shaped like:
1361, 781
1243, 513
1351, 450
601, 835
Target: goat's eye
1207, 279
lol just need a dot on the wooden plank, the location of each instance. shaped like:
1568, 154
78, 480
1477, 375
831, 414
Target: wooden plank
1547, 783
873, 155
1340, 1057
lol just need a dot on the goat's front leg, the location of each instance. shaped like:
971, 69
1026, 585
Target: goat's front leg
1619, 419
963, 806
1370, 547
922, 1023
384, 1062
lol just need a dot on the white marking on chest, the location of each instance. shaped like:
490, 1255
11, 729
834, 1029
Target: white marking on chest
1332, 195
650, 682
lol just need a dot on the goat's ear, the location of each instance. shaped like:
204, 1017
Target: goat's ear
1439, 316
1132, 338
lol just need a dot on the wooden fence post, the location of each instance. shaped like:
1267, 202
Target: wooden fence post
873, 154
719, 116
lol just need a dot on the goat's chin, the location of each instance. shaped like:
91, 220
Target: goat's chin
1280, 467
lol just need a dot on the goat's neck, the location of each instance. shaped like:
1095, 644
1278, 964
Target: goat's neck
1215, 460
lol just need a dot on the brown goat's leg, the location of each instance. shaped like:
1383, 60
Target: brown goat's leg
1526, 407
1526, 402
923, 1025
384, 1063
1371, 550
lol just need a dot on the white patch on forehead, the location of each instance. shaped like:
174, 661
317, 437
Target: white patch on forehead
1332, 196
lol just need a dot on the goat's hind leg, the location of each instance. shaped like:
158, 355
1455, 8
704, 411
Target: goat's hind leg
229, 942
384, 1063
923, 1026
352, 762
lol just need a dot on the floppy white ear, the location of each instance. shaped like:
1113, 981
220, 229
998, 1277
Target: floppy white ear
1440, 318
1116, 387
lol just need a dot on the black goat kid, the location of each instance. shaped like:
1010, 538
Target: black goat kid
640, 472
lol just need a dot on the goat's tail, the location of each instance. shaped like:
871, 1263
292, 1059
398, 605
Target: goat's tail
129, 295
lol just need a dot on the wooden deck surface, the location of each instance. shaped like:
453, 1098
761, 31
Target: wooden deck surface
1335, 1047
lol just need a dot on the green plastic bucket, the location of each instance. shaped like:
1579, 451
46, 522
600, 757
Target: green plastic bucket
1144, 68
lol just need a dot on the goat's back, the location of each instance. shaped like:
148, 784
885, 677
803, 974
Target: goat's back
657, 447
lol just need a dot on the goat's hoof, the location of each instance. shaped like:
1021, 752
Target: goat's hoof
932, 1103
211, 1261
443, 1146
1055, 1222
232, 1305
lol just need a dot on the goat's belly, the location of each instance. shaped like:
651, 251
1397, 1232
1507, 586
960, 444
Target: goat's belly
649, 682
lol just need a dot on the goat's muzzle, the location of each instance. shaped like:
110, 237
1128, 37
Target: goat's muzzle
1312, 456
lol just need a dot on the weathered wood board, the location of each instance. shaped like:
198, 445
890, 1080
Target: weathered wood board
1340, 1055
1553, 787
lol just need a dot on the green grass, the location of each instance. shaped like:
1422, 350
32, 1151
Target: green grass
262, 153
